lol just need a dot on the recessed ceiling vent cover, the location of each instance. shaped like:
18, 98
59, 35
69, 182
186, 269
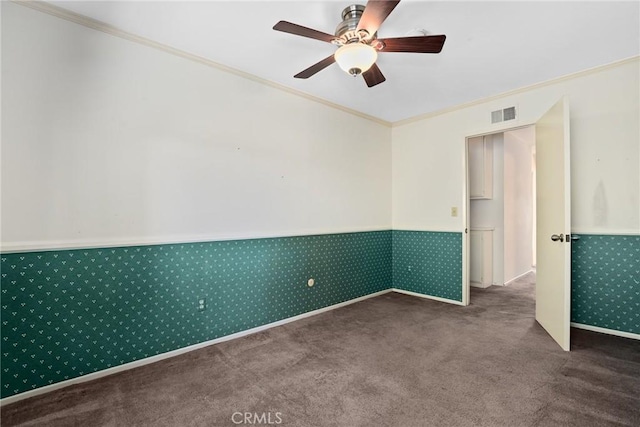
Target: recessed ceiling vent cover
503, 115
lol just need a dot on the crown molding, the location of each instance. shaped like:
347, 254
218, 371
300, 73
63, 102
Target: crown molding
528, 88
114, 31
94, 24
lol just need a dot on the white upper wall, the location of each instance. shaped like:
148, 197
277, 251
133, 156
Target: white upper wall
108, 142
428, 154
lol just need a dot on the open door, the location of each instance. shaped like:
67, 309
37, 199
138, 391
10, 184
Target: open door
553, 252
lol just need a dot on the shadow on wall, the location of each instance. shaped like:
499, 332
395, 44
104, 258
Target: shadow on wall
600, 207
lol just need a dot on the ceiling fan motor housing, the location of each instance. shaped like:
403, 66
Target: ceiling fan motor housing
347, 29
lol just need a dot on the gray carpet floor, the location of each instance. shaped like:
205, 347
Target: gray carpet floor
393, 360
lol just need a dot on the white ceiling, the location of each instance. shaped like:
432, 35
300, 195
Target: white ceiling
491, 47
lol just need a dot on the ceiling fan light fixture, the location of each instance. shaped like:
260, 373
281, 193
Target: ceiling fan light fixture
356, 58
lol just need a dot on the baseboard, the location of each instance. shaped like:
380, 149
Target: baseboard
517, 277
606, 331
479, 285
415, 294
177, 352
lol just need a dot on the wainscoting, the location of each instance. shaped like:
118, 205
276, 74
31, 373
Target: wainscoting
72, 312
428, 263
68, 313
605, 276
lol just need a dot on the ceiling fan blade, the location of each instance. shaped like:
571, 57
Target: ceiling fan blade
299, 30
373, 76
417, 44
319, 66
374, 14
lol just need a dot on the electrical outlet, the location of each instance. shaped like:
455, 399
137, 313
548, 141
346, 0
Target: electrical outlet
454, 211
202, 304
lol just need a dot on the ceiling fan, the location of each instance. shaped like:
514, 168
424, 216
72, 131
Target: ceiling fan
358, 43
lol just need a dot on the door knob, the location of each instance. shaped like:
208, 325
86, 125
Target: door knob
557, 237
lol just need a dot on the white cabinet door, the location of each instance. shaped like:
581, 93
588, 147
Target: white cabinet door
481, 167
481, 268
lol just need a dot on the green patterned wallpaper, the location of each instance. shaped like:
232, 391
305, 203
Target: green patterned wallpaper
428, 262
605, 282
72, 312
68, 313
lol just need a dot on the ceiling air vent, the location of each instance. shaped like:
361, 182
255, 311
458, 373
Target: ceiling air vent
509, 113
503, 115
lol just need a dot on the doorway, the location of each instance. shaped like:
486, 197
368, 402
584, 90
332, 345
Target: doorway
502, 204
552, 220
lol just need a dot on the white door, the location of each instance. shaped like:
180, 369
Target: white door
553, 281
